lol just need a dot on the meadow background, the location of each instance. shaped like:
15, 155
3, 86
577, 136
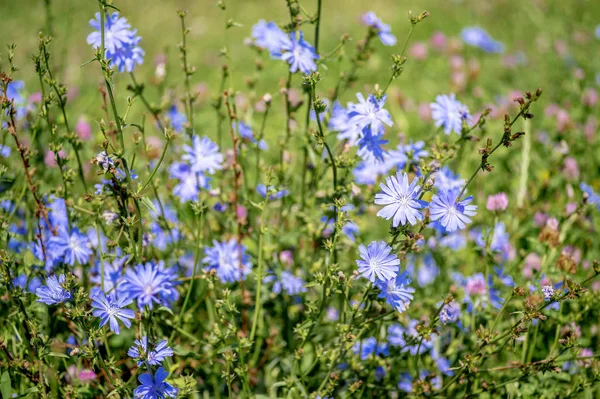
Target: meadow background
536, 29
553, 45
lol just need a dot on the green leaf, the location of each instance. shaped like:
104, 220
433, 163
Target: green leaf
166, 309
146, 201
28, 393
5, 385
56, 354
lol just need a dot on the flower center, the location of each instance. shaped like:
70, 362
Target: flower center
148, 289
374, 264
403, 200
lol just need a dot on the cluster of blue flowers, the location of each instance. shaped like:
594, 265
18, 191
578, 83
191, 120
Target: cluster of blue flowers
201, 159
290, 48
120, 41
381, 267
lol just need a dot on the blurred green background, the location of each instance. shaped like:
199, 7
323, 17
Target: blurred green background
528, 26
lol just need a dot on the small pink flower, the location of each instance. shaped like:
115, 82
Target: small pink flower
87, 375
572, 252
572, 327
540, 219
83, 129
570, 208
50, 159
545, 281
425, 112
570, 169
418, 51
73, 93
590, 128
286, 257
497, 202
474, 67
475, 285
551, 110
585, 352
563, 121
478, 93
457, 62
532, 262
459, 80
160, 58
295, 97
438, 41
241, 102
71, 372
589, 97
260, 106
552, 224
242, 212
35, 98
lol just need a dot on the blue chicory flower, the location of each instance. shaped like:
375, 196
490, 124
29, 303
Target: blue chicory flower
53, 292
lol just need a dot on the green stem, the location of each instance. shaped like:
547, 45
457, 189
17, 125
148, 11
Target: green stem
318, 25
188, 92
162, 156
259, 273
199, 239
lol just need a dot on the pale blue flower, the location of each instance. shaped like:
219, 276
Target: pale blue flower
4, 151
275, 194
203, 155
298, 53
397, 292
377, 263
113, 276
367, 171
53, 292
450, 113
446, 180
369, 112
340, 122
177, 119
451, 213
383, 30
111, 309
365, 348
593, 197
245, 132
224, 257
15, 91
450, 313
155, 387
153, 354
32, 285
401, 200
120, 41
269, 36
71, 247
190, 182
500, 241
477, 37
151, 284
288, 282
370, 145
427, 271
